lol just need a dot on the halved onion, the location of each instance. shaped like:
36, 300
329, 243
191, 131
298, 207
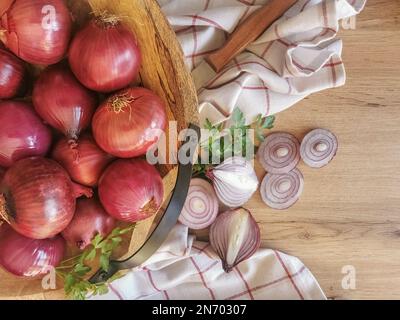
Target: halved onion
281, 191
201, 206
318, 148
279, 153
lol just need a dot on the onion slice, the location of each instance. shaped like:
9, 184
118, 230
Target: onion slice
235, 237
281, 191
201, 206
279, 153
318, 148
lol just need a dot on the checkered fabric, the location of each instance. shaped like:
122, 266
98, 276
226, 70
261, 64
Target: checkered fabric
185, 269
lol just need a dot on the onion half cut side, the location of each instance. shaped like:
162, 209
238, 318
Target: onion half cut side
279, 153
281, 191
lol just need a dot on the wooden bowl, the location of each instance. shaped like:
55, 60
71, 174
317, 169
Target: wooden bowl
164, 72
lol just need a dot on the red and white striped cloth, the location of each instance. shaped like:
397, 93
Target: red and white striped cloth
294, 58
186, 269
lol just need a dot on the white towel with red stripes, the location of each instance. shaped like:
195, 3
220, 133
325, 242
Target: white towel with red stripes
297, 56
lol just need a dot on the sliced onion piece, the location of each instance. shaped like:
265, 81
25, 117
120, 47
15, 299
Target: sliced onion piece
318, 148
201, 206
279, 153
235, 237
281, 191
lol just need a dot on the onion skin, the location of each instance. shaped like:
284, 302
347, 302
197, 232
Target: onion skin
25, 257
235, 236
85, 163
105, 57
90, 219
38, 198
63, 102
12, 73
131, 190
36, 36
22, 133
129, 123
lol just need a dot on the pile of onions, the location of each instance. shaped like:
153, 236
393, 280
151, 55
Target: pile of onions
63, 102
318, 148
281, 191
86, 164
90, 219
25, 257
235, 237
130, 122
131, 190
279, 153
234, 181
22, 133
38, 198
37, 31
201, 206
104, 55
12, 73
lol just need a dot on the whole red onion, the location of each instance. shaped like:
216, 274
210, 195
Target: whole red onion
12, 72
2, 173
38, 198
104, 55
131, 190
128, 123
22, 133
37, 31
63, 102
90, 219
85, 163
25, 257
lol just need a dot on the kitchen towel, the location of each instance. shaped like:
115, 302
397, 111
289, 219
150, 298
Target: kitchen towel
297, 56
187, 269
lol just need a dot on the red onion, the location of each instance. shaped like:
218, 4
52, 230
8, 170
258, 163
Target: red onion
318, 148
279, 153
37, 31
131, 190
22, 133
2, 173
90, 219
234, 181
281, 191
235, 237
129, 122
201, 206
104, 55
25, 257
63, 102
85, 163
37, 197
12, 73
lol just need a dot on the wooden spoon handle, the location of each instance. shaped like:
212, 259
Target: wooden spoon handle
248, 32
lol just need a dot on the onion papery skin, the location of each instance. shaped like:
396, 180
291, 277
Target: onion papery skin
22, 133
235, 236
310, 154
234, 181
269, 153
105, 57
85, 163
131, 190
25, 257
12, 74
89, 220
129, 123
37, 31
63, 102
281, 199
201, 194
38, 198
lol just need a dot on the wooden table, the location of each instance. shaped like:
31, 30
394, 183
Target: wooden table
349, 213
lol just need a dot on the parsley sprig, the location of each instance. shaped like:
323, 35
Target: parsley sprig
75, 271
